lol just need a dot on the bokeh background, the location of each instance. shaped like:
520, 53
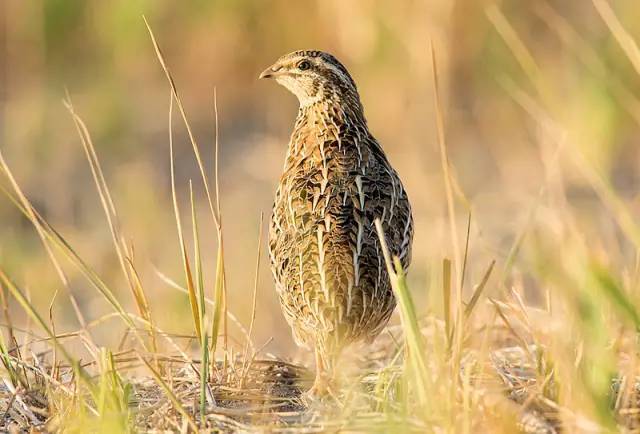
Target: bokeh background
526, 86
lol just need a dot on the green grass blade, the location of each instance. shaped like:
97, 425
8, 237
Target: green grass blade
413, 336
198, 262
218, 300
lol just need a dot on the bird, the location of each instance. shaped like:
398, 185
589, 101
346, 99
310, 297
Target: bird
326, 256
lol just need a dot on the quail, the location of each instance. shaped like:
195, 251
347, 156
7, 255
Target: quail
325, 253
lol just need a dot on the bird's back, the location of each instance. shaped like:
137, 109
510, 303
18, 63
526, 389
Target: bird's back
325, 252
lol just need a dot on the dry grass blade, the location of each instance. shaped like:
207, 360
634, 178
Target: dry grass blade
194, 144
193, 300
589, 56
216, 160
143, 305
173, 398
159, 332
521, 312
249, 343
54, 237
444, 160
446, 297
221, 283
6, 313
511, 38
619, 209
101, 185
626, 42
449, 182
466, 250
514, 250
510, 327
478, 291
23, 204
125, 257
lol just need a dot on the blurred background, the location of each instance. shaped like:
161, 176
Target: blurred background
526, 87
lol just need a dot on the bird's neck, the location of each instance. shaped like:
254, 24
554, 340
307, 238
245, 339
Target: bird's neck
338, 111
326, 126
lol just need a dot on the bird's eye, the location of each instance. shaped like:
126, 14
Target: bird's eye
304, 65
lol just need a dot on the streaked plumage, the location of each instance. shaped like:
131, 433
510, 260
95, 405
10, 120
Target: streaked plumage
325, 253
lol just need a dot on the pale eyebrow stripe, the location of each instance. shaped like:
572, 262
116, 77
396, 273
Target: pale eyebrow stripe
341, 73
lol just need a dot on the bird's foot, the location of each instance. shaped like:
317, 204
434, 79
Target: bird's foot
323, 390
320, 388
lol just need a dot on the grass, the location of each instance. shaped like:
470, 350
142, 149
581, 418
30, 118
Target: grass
477, 358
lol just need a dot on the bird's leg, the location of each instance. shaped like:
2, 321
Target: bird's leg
321, 383
326, 376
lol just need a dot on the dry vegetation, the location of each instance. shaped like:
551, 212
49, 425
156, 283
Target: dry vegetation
540, 336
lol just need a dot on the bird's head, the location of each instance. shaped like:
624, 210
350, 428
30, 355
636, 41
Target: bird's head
312, 76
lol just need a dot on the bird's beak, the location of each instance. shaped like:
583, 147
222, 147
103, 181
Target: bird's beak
271, 71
